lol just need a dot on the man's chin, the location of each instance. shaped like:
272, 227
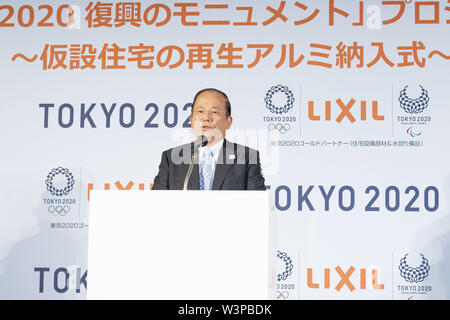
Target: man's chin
212, 134
208, 132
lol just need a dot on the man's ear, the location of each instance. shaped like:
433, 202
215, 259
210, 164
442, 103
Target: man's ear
229, 121
191, 118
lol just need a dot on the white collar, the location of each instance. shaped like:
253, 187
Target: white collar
215, 149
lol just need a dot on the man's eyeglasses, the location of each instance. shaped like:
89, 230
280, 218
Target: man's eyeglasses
214, 113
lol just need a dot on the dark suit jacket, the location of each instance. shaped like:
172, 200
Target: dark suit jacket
238, 168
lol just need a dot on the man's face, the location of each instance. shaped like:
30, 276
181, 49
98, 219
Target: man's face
209, 116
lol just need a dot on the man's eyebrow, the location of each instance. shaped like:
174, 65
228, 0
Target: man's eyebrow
215, 107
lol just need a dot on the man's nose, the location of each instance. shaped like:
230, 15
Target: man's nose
207, 116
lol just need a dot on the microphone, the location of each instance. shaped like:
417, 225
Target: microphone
201, 141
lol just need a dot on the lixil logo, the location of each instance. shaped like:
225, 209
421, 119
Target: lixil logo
339, 111
338, 278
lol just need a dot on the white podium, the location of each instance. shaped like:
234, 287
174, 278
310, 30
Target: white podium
178, 245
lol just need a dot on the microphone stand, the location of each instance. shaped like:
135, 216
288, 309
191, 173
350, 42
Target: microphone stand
191, 166
199, 142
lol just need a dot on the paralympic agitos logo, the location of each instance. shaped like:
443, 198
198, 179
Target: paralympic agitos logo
414, 274
414, 103
414, 271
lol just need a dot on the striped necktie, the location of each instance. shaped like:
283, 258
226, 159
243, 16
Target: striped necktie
206, 169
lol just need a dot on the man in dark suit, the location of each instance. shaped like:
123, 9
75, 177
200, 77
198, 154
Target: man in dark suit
221, 164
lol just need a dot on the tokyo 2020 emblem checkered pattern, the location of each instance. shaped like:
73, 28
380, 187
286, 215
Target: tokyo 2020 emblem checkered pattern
70, 181
289, 99
414, 275
287, 264
414, 106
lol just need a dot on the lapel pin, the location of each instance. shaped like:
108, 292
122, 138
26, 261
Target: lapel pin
231, 157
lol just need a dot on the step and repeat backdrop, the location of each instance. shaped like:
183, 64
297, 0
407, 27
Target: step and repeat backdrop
347, 102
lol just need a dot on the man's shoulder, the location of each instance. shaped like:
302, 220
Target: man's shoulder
240, 147
180, 154
185, 146
242, 153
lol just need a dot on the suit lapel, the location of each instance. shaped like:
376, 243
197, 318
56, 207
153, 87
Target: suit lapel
224, 164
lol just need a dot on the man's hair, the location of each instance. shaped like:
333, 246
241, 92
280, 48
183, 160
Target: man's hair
227, 101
